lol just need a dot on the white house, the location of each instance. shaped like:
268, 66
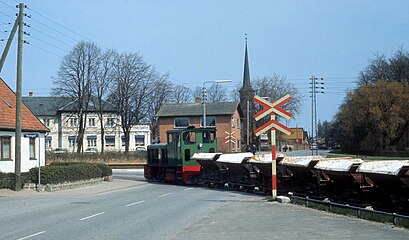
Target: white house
59, 114
33, 134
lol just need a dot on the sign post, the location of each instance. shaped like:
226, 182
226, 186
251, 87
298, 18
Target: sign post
273, 108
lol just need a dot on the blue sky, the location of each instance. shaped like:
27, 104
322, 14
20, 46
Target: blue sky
196, 41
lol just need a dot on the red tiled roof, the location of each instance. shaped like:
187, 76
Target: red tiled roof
29, 122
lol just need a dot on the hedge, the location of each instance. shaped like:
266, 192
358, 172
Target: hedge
7, 180
106, 170
69, 172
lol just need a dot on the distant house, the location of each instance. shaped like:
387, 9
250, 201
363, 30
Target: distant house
224, 116
60, 116
33, 134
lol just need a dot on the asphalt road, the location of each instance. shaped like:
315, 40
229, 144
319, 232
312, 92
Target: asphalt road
147, 211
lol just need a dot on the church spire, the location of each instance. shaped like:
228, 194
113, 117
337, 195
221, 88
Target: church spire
246, 74
246, 103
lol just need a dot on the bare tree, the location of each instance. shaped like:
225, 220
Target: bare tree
101, 84
160, 94
394, 69
275, 87
74, 78
197, 92
216, 93
234, 94
133, 80
181, 94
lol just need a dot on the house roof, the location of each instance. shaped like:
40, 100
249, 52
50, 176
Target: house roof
29, 122
50, 106
196, 109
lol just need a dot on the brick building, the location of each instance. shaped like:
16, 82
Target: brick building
224, 116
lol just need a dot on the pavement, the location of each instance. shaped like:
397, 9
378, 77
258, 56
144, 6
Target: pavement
116, 184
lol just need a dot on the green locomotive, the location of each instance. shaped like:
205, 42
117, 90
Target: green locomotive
171, 161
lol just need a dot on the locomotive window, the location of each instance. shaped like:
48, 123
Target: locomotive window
189, 137
187, 154
208, 137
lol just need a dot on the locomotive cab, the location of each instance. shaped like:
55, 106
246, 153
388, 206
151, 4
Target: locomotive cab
172, 161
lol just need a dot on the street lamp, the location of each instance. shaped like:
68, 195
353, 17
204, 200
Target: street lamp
204, 101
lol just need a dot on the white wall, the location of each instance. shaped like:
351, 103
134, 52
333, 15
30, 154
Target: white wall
26, 163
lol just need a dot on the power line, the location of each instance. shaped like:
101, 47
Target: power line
76, 40
7, 15
49, 43
66, 28
8, 5
35, 29
46, 50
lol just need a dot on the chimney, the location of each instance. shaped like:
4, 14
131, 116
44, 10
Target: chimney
30, 94
198, 99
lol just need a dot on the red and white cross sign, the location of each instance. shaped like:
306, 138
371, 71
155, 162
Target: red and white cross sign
272, 107
229, 137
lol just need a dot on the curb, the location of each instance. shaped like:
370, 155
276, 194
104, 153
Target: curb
67, 185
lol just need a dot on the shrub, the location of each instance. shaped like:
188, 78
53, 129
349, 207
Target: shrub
67, 172
106, 170
7, 179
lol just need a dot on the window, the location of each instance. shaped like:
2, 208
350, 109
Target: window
111, 122
189, 137
170, 138
110, 141
139, 140
233, 124
5, 148
238, 123
48, 140
123, 141
210, 121
92, 141
233, 146
47, 122
32, 148
91, 122
208, 137
182, 122
187, 154
73, 122
72, 141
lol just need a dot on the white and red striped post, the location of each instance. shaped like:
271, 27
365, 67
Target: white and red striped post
272, 108
273, 161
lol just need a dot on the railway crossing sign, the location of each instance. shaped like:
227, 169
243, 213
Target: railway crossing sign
272, 108
230, 137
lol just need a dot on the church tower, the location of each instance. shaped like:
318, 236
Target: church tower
246, 102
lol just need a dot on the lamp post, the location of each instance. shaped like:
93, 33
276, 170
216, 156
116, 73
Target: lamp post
204, 101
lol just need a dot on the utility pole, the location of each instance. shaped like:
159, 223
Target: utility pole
17, 170
8, 44
316, 87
